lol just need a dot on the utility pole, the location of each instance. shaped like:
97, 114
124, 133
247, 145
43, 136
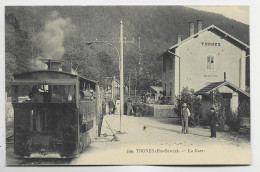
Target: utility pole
139, 43
139, 50
112, 89
139, 63
121, 65
129, 88
135, 81
121, 73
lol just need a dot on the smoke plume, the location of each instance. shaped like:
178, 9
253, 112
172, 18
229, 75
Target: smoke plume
38, 64
50, 40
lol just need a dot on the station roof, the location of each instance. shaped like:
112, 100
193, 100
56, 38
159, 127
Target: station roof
215, 30
215, 85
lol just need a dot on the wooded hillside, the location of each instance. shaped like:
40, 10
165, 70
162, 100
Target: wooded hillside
62, 32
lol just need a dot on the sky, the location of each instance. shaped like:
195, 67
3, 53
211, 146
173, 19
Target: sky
239, 13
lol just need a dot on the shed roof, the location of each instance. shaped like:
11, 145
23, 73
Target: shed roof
156, 88
216, 85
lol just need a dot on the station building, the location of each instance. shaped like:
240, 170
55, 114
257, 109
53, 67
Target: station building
202, 59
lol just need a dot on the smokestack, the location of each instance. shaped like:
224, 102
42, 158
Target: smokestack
54, 65
179, 38
225, 78
192, 28
199, 25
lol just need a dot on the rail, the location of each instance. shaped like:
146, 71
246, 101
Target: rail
9, 139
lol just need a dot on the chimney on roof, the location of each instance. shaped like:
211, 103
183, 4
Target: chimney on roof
179, 38
199, 25
225, 77
192, 28
54, 65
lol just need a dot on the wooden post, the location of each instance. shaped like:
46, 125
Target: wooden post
121, 73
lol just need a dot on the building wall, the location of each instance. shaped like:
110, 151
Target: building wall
206, 104
194, 72
233, 100
168, 76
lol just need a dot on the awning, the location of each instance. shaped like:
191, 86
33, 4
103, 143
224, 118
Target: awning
156, 89
215, 85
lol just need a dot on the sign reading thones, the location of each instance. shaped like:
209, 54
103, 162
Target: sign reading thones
212, 44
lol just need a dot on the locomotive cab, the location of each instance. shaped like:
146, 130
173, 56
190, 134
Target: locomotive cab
52, 118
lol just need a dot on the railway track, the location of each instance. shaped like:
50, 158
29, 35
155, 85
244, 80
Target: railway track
9, 140
15, 160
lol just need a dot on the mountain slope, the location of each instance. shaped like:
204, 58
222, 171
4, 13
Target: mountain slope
157, 26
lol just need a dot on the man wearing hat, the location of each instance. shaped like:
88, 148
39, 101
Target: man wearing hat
213, 121
185, 113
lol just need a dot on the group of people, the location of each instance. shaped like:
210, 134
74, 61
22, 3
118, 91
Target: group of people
130, 107
162, 98
185, 114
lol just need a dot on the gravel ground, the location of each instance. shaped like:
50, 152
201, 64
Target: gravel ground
149, 140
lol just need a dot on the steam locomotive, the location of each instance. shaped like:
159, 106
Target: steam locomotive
56, 112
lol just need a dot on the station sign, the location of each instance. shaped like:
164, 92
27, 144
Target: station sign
210, 44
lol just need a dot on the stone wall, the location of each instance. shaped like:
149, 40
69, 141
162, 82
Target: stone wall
164, 111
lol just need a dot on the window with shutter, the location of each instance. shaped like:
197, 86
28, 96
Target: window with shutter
210, 62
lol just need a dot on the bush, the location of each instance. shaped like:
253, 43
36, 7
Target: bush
221, 115
244, 109
139, 109
232, 120
227, 119
193, 102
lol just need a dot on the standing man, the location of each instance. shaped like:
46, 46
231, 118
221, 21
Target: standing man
111, 106
185, 113
213, 122
129, 107
114, 107
117, 106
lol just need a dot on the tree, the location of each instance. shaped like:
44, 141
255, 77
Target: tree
10, 67
18, 52
193, 102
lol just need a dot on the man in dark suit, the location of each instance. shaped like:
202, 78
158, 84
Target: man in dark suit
111, 106
213, 122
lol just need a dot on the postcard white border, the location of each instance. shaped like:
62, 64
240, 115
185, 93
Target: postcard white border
255, 83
